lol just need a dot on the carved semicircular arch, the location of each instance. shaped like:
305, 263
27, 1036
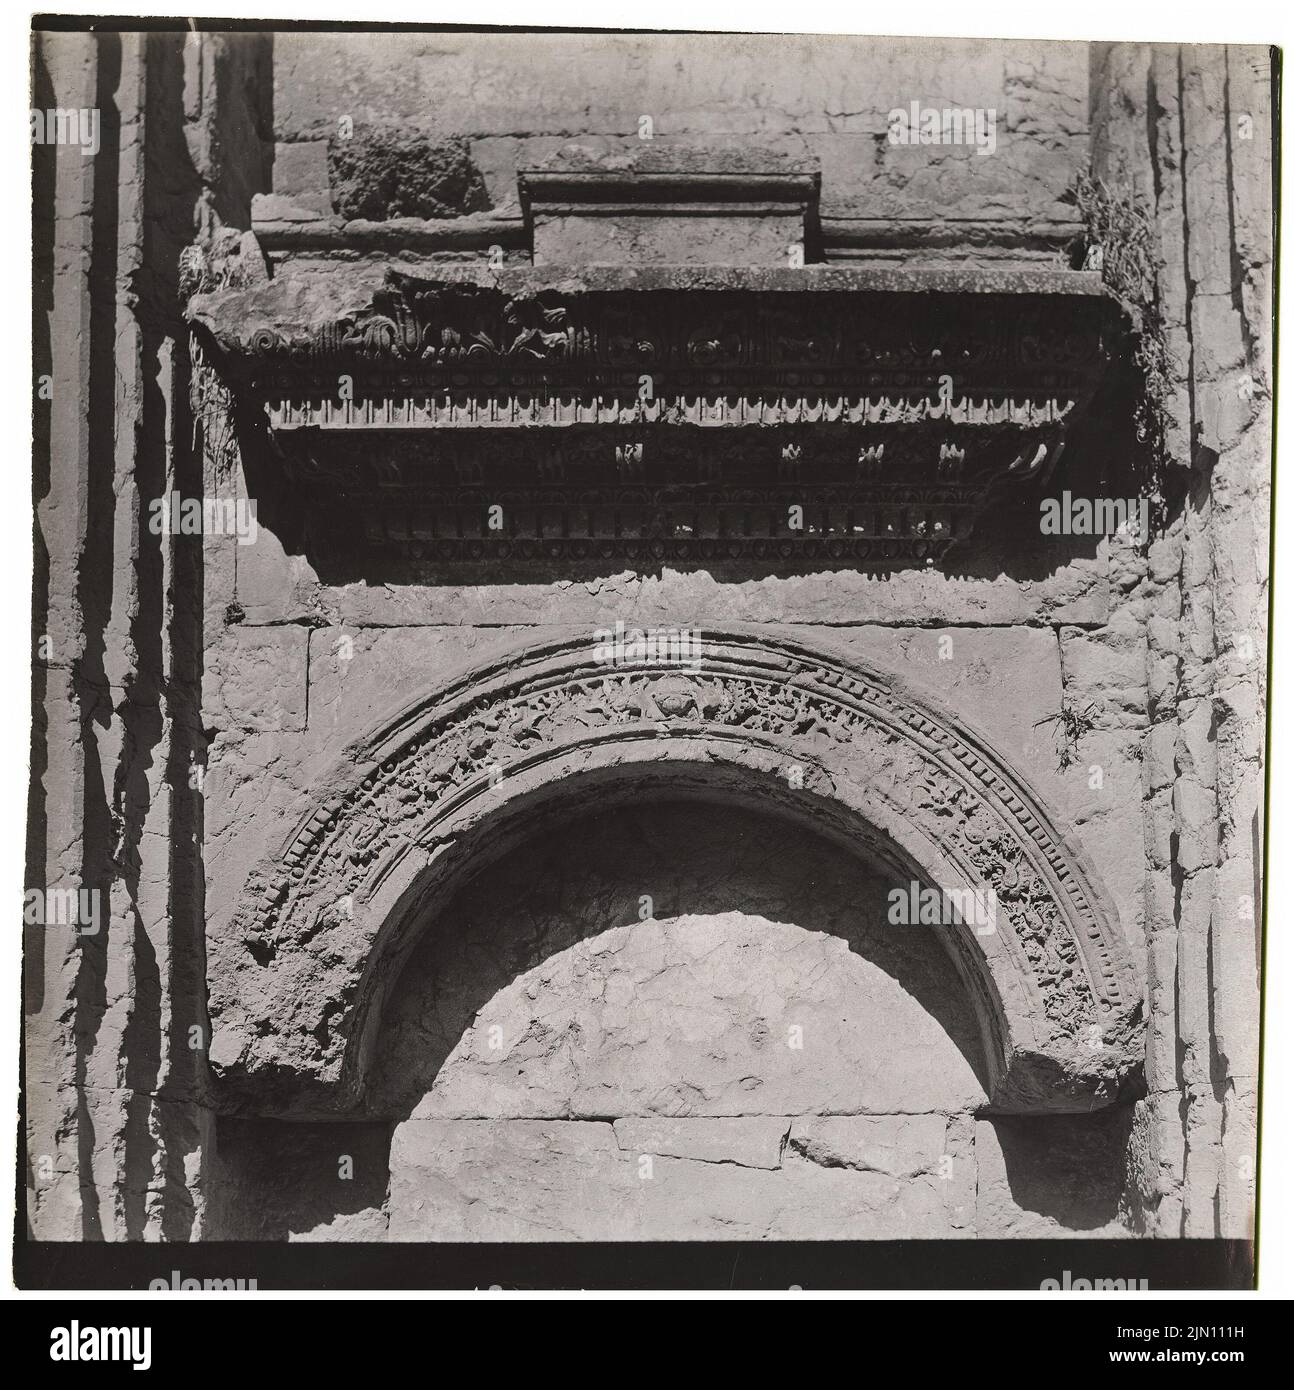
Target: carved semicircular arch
325, 924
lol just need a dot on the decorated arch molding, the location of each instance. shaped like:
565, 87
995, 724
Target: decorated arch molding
324, 924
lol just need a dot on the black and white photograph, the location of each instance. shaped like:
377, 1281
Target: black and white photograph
649, 669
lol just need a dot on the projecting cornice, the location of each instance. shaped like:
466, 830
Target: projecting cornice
674, 408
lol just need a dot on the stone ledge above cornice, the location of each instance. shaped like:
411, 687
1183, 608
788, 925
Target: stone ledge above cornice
351, 284
285, 232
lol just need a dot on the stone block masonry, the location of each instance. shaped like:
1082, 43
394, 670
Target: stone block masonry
423, 920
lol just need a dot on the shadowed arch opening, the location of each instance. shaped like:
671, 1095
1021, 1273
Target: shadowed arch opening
612, 855
661, 1018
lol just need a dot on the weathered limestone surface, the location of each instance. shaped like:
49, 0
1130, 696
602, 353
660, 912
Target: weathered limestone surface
1076, 594
117, 1125
750, 1142
562, 1180
257, 679
766, 981
699, 1016
1203, 166
645, 1017
519, 100
727, 1120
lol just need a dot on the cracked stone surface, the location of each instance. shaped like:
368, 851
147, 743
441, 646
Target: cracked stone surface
552, 1061
553, 1179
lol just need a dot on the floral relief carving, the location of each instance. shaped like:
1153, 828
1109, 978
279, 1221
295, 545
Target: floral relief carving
856, 730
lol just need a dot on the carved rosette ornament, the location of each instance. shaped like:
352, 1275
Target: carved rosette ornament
323, 925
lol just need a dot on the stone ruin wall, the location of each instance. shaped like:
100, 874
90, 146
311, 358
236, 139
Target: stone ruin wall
247, 663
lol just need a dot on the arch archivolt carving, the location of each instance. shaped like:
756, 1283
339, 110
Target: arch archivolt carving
322, 924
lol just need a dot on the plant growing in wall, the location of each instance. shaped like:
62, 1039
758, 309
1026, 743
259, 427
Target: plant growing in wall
1120, 242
